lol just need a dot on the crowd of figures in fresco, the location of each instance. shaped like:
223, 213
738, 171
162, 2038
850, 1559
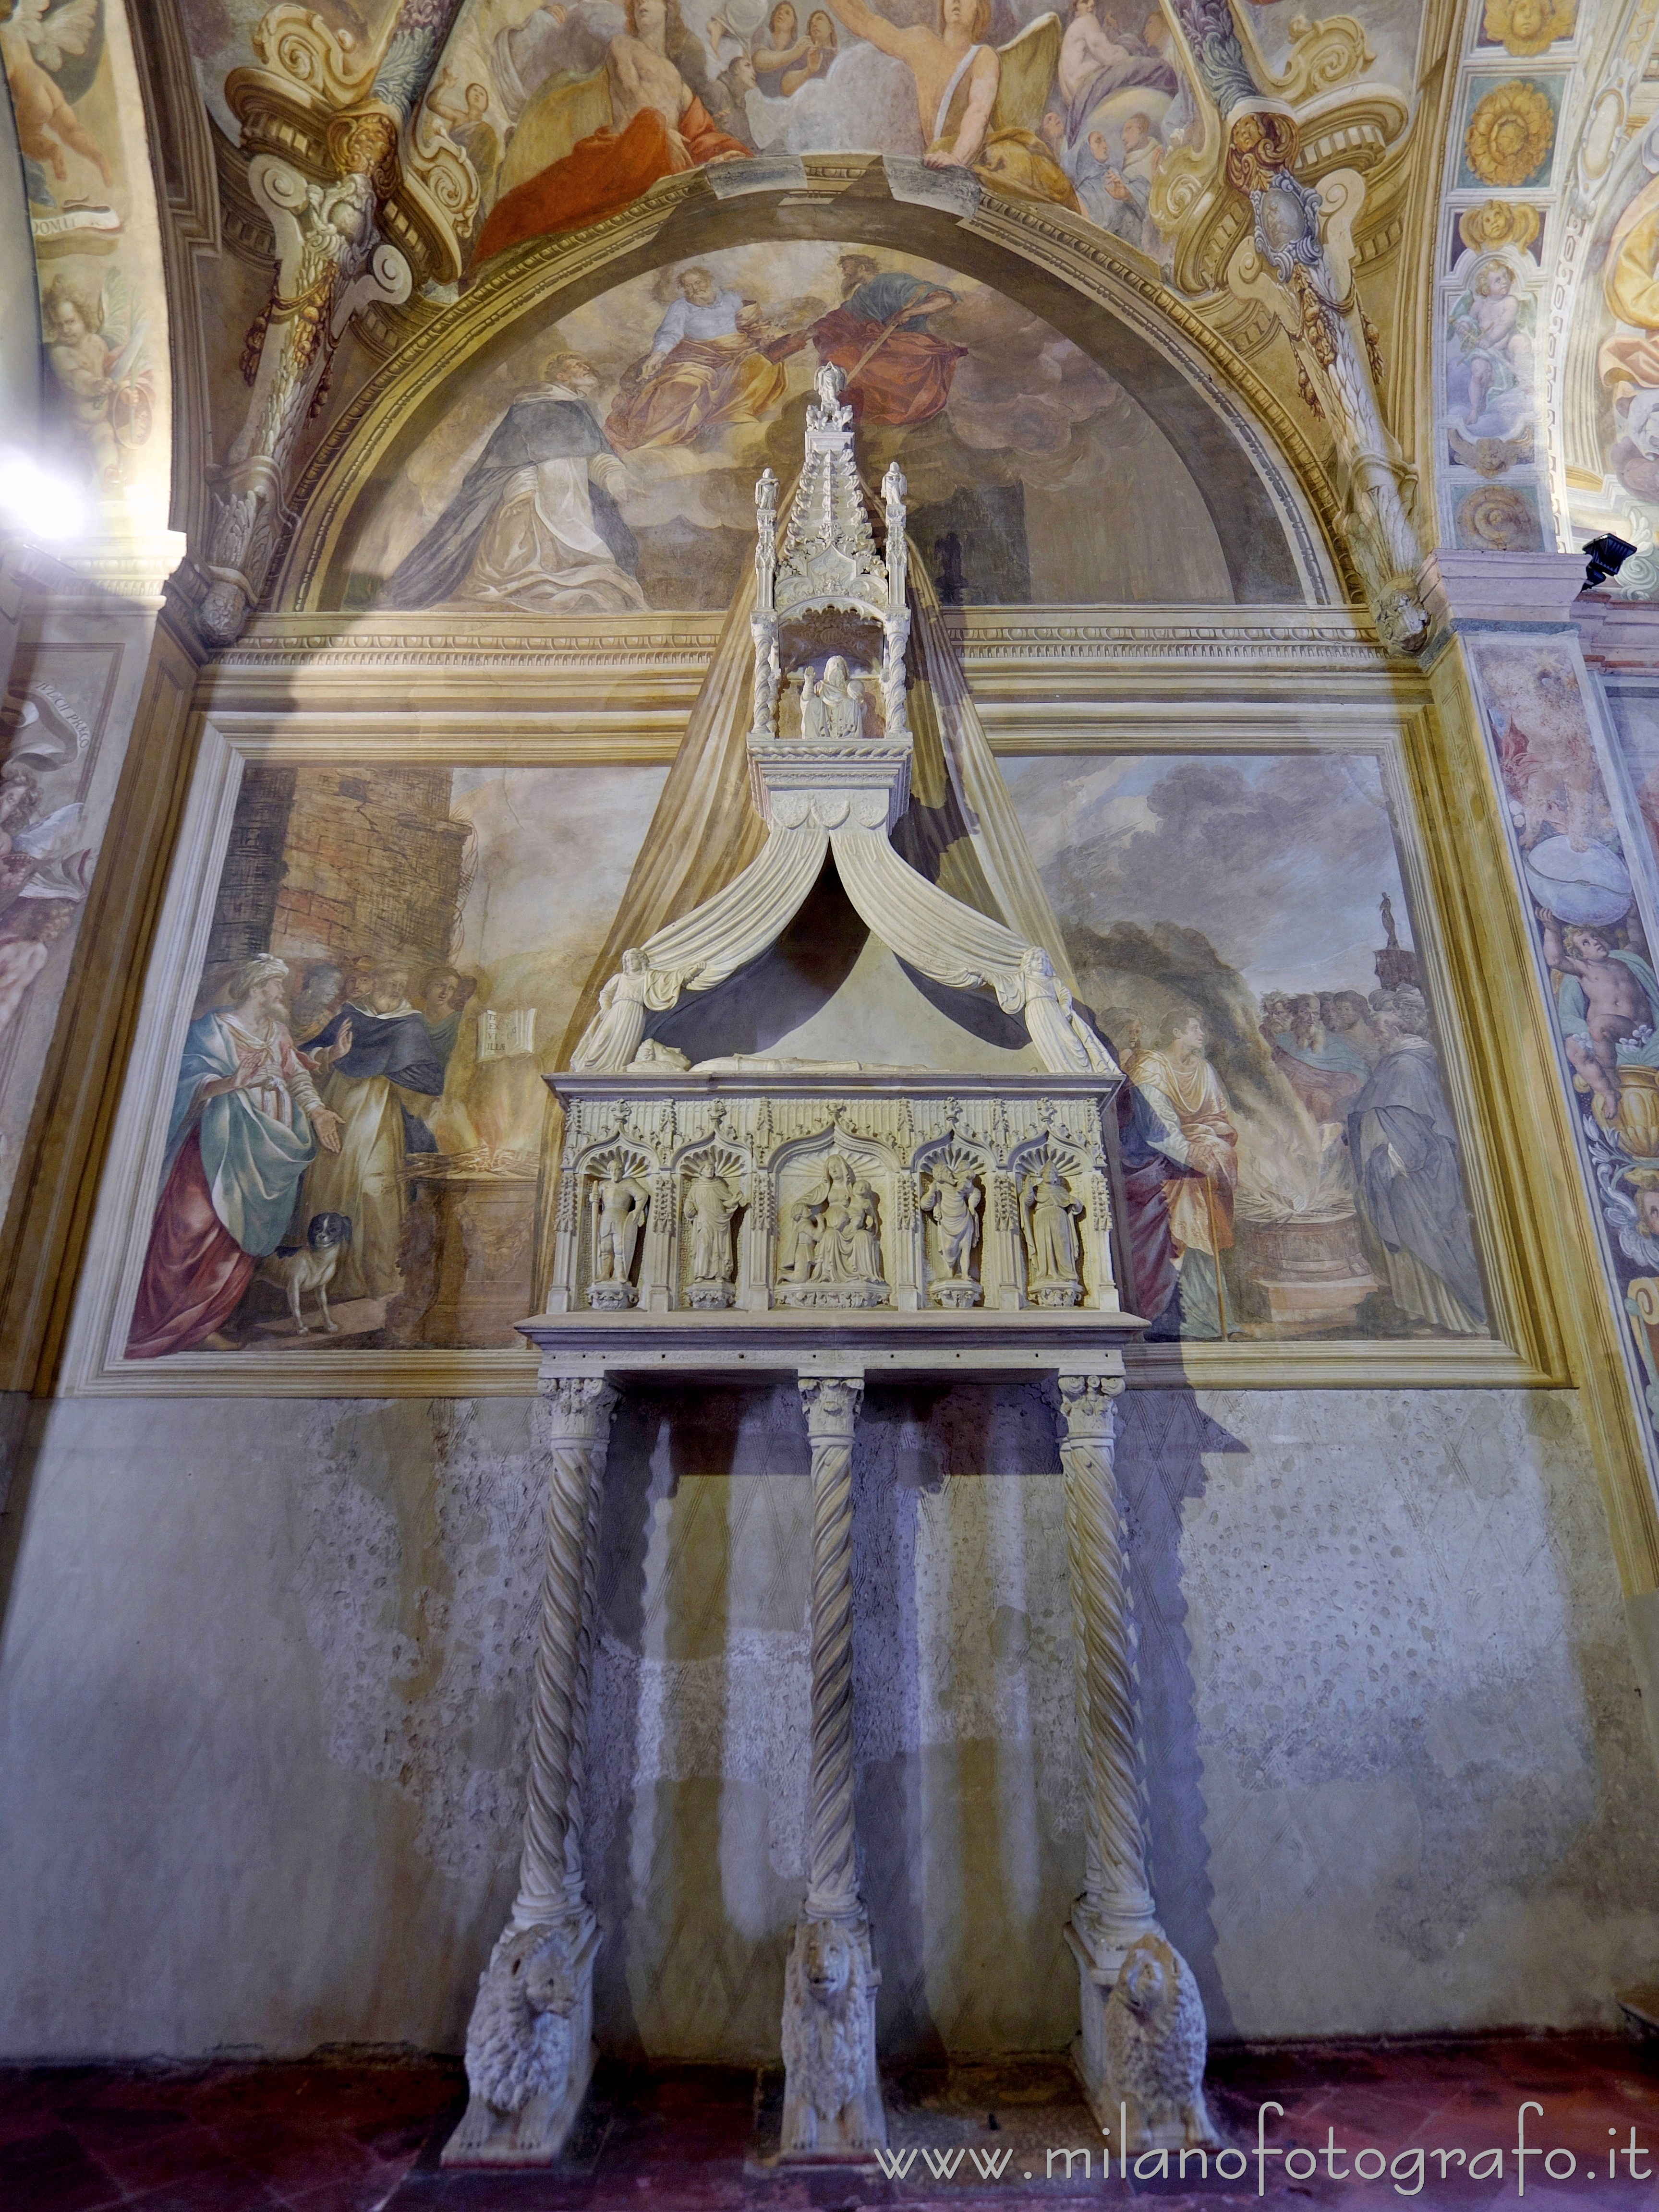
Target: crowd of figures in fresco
350, 1150
574, 110
1292, 1164
1388, 1244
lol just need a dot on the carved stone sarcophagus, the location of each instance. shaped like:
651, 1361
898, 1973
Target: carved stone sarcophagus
893, 1190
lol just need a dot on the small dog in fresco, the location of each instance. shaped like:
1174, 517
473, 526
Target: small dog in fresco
311, 1265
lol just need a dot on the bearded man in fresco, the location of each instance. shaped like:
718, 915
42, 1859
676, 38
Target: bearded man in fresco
247, 1122
897, 370
709, 365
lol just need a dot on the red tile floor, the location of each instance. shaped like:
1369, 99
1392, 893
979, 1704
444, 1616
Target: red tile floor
353, 2133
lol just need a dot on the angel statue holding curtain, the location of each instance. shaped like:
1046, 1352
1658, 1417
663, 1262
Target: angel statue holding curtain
611, 1040
978, 104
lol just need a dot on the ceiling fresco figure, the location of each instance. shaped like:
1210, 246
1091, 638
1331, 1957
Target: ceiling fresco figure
656, 125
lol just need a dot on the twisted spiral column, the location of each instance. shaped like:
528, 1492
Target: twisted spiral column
831, 1404
576, 1801
578, 1411
1117, 1905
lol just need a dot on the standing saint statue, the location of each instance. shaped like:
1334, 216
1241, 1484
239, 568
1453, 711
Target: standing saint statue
710, 1203
611, 1040
1064, 1040
953, 1202
619, 1203
1049, 1210
866, 1235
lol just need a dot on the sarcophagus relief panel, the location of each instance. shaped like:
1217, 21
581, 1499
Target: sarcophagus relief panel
678, 1192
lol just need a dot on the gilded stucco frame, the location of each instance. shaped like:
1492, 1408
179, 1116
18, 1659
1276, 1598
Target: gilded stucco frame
1290, 679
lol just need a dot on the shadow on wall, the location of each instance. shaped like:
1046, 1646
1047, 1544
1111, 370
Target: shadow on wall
1162, 1436
970, 1801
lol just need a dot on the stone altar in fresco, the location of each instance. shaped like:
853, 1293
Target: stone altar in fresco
833, 1219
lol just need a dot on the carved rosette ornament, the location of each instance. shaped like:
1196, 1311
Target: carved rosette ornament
529, 2044
1116, 1911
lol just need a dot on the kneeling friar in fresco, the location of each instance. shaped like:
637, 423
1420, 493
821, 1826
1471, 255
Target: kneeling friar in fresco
247, 1122
385, 1069
534, 526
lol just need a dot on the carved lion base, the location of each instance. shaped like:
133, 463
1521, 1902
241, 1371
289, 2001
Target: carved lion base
831, 2090
1141, 2055
530, 2048
612, 1297
952, 1292
710, 1298
832, 1294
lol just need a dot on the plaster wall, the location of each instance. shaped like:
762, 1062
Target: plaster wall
262, 1688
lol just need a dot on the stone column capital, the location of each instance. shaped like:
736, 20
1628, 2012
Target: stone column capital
1480, 591
831, 1404
579, 1407
1086, 1406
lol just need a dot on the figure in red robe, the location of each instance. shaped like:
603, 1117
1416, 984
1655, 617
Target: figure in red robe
659, 127
897, 370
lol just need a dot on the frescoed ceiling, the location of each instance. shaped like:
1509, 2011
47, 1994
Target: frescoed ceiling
1417, 240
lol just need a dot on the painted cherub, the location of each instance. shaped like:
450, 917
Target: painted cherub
36, 39
1617, 992
1490, 320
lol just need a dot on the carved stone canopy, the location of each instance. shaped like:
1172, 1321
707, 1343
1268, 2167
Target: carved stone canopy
829, 773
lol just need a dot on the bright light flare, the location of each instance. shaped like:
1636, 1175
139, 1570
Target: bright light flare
38, 499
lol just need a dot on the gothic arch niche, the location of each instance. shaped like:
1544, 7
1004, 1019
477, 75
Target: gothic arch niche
1234, 472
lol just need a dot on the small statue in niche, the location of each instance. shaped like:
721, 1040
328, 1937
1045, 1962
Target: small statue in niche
801, 1240
830, 713
618, 1205
953, 1200
710, 1202
866, 1235
1048, 1212
836, 1231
